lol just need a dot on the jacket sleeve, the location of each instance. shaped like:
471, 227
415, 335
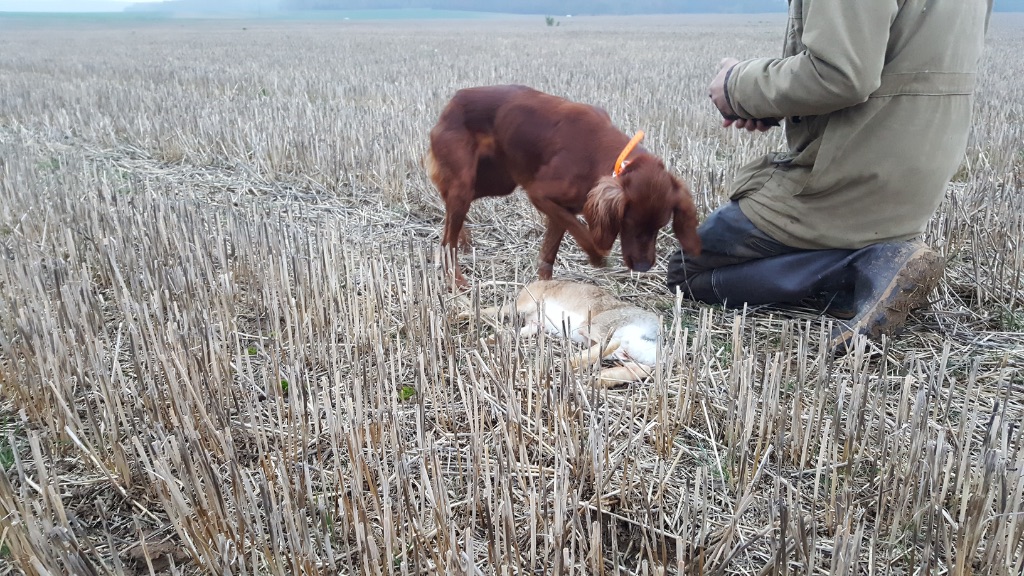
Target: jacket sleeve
845, 46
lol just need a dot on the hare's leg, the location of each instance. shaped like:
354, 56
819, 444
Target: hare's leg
531, 328
627, 372
492, 313
595, 354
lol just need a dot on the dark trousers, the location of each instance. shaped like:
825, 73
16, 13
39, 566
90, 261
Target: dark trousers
740, 264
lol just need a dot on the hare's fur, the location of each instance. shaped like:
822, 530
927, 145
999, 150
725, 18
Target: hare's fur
593, 317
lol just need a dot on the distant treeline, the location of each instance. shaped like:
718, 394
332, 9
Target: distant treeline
548, 6
205, 6
577, 6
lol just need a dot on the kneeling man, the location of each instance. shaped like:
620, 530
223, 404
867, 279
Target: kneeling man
876, 100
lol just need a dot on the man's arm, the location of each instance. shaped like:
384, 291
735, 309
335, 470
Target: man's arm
842, 65
717, 92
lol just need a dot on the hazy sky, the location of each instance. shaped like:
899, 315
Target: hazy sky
66, 5
118, 5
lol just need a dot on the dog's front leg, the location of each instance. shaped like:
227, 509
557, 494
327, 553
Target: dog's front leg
567, 220
549, 249
586, 242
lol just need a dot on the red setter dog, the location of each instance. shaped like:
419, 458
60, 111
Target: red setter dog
491, 139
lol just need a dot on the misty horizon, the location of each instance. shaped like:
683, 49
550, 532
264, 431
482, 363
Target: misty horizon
268, 7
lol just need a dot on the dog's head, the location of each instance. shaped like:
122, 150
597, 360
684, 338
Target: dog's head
635, 205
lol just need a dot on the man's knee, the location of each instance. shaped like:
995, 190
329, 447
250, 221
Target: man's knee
694, 285
729, 239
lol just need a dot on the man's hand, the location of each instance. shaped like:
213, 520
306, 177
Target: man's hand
759, 125
717, 91
717, 88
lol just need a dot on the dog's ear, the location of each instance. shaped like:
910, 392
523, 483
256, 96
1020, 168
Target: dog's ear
604, 209
684, 219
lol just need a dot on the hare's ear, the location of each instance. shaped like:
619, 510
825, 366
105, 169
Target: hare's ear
684, 219
604, 209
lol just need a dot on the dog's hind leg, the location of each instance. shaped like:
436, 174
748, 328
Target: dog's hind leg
453, 174
455, 216
451, 164
492, 179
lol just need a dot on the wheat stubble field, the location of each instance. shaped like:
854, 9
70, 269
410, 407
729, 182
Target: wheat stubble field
226, 347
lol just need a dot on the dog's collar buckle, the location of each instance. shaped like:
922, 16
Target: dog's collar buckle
621, 162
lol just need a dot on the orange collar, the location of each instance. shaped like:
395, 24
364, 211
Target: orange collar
620, 162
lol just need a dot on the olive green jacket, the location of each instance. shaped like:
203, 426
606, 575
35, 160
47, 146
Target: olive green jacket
877, 97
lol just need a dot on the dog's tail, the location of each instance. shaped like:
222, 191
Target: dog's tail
428, 163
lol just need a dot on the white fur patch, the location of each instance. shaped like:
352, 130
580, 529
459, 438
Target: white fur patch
638, 342
562, 321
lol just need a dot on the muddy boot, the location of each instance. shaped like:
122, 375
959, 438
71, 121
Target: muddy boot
890, 280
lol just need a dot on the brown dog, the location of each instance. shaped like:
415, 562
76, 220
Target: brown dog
570, 159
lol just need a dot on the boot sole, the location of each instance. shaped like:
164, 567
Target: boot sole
919, 275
